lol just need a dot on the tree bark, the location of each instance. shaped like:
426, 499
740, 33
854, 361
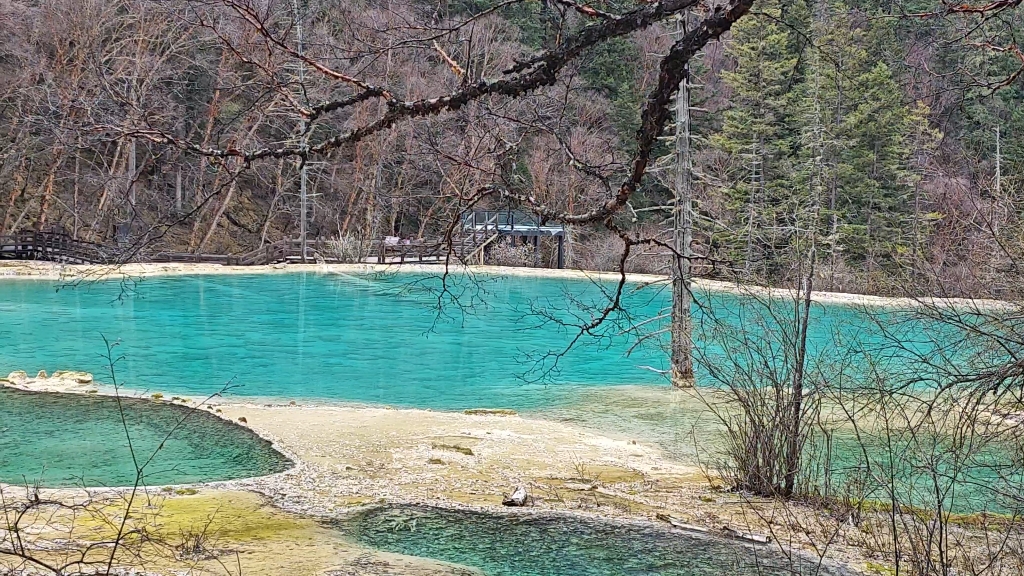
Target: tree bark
795, 436
17, 189
682, 236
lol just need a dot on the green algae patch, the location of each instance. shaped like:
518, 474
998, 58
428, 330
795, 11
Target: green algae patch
201, 534
226, 517
490, 412
982, 520
232, 516
614, 474
879, 569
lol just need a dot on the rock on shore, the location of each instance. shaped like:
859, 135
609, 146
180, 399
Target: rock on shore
59, 381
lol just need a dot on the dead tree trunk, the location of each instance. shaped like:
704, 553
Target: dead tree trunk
682, 235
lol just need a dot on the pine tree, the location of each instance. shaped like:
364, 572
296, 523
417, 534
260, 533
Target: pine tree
754, 133
868, 132
876, 188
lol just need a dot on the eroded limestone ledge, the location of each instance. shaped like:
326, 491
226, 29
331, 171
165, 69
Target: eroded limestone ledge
70, 381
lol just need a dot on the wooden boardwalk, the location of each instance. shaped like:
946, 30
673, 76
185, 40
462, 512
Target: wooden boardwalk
62, 248
52, 247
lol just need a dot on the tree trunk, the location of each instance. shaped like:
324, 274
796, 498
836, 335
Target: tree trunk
682, 236
278, 190
102, 203
74, 200
17, 189
216, 217
795, 435
47, 189
802, 308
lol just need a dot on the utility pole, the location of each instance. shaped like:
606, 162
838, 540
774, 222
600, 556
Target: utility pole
125, 228
177, 191
682, 233
131, 153
999, 163
303, 175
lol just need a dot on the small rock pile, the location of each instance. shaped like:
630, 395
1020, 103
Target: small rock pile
59, 381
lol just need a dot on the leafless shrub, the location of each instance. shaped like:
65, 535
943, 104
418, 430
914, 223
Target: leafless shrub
505, 255
908, 446
347, 249
753, 354
196, 542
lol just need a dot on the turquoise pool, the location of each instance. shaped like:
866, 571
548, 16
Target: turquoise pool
375, 339
60, 440
560, 545
337, 337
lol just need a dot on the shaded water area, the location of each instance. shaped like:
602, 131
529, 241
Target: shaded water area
60, 440
557, 545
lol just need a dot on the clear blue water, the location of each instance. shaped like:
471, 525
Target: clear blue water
59, 440
380, 340
550, 545
383, 340
335, 337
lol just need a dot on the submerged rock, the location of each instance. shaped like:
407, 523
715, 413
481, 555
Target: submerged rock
518, 498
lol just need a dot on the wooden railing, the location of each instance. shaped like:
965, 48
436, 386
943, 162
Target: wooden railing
226, 259
480, 251
52, 247
60, 247
411, 250
287, 250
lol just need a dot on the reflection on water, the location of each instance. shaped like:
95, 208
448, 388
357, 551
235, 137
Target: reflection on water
559, 545
74, 440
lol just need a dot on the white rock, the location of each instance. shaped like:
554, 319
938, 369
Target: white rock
78, 377
17, 377
518, 497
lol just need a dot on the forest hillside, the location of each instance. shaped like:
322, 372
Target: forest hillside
895, 132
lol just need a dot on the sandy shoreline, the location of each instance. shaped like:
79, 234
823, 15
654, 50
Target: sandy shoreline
74, 274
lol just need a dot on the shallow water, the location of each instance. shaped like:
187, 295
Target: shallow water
556, 545
677, 421
366, 339
58, 440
